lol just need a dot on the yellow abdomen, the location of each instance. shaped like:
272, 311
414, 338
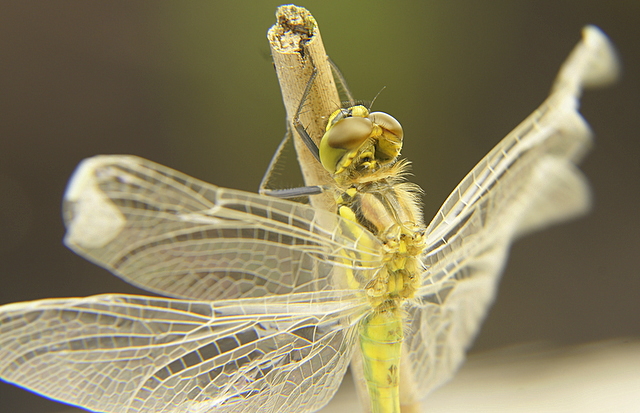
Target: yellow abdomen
381, 343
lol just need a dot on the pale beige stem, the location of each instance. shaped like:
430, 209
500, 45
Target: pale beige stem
296, 47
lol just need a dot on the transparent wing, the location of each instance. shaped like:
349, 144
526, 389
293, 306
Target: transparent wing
529, 180
177, 236
126, 354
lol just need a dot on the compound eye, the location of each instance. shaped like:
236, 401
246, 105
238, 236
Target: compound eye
348, 133
343, 137
387, 122
389, 143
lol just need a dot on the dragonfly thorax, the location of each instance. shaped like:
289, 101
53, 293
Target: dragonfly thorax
388, 206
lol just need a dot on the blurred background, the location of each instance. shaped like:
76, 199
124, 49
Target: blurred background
191, 85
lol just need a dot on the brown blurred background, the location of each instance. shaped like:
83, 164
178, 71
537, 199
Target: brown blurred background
191, 85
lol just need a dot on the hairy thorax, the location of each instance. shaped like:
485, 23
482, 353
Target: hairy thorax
387, 205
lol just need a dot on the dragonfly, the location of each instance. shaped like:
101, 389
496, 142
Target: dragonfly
271, 299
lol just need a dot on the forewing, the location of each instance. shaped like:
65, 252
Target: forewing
529, 180
554, 130
177, 236
134, 354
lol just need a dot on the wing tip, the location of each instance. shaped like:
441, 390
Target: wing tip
603, 67
92, 219
592, 63
81, 178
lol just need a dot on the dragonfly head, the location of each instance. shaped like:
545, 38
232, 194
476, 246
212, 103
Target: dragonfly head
358, 140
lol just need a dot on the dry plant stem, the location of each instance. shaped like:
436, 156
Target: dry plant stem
296, 47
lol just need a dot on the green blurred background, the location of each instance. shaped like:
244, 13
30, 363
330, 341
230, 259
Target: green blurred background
191, 85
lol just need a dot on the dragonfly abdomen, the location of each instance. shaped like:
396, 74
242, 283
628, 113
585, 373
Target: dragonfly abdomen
381, 339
